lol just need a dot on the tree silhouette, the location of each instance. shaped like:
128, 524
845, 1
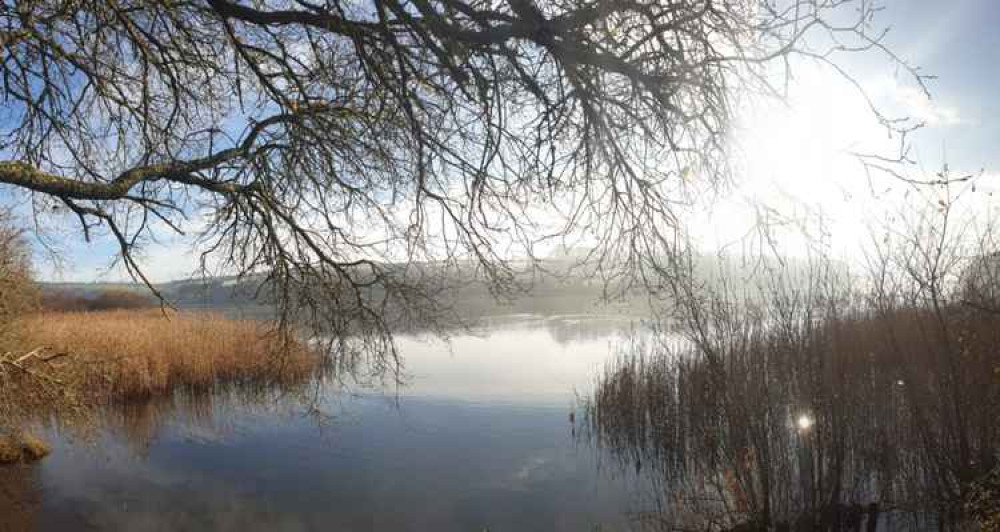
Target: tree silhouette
340, 148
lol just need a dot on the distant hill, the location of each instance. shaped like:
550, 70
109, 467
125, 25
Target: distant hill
545, 293
559, 287
211, 292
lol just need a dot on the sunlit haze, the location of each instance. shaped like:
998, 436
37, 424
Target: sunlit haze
796, 168
513, 265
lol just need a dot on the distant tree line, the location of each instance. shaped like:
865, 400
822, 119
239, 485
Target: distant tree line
107, 299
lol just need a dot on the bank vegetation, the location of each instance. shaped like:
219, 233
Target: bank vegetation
64, 356
816, 398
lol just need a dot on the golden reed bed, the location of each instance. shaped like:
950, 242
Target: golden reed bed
125, 354
61, 365
65, 364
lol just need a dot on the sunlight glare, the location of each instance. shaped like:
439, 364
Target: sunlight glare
804, 422
796, 156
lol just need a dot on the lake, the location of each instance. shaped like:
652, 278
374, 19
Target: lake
479, 438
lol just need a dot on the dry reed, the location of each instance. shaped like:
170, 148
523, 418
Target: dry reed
126, 354
22, 447
10, 452
894, 422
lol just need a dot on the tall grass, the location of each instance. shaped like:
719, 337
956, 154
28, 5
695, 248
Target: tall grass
815, 400
128, 354
80, 360
719, 424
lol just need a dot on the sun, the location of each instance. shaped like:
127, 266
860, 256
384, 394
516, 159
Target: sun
796, 155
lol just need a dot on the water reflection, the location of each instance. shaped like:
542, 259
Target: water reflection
521, 359
757, 434
479, 439
18, 499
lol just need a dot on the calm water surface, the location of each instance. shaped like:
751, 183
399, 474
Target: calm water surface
479, 439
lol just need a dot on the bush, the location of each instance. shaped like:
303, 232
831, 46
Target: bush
109, 299
805, 405
983, 502
121, 299
17, 290
21, 447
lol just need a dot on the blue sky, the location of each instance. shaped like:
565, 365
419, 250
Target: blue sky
957, 41
797, 160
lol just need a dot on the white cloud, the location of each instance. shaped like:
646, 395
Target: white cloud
918, 106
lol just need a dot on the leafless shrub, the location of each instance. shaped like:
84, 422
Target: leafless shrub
983, 501
17, 290
816, 400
